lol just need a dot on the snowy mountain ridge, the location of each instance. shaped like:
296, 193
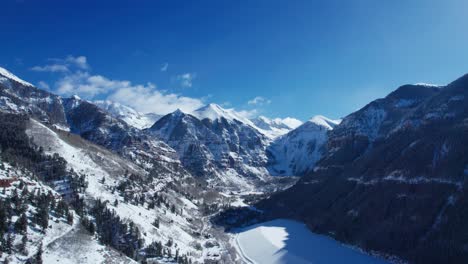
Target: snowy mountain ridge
4, 72
276, 127
128, 114
296, 152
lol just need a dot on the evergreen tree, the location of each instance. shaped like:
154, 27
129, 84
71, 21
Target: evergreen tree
42, 217
9, 243
21, 224
70, 218
22, 245
38, 256
156, 222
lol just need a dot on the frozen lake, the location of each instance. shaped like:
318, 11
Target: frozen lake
285, 241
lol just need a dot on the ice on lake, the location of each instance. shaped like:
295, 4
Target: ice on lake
285, 241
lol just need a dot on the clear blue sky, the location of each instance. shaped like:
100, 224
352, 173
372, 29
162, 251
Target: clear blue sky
304, 57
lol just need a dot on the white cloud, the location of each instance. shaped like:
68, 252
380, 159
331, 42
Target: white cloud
144, 98
186, 79
50, 68
64, 65
43, 85
248, 113
164, 67
80, 61
258, 100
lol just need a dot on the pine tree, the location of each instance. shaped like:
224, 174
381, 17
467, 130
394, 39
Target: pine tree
3, 218
38, 256
9, 243
70, 218
21, 225
22, 245
156, 223
42, 217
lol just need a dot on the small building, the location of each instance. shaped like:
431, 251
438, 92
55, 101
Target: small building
6, 182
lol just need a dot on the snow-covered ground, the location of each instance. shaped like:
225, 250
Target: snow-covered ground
287, 241
97, 163
78, 246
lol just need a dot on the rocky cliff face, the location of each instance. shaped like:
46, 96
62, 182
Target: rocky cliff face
297, 152
98, 126
392, 178
214, 142
18, 96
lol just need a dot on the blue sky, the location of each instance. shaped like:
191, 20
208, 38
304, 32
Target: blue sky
298, 58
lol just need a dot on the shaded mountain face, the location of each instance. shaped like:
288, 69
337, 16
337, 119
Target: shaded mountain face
392, 178
85, 119
18, 96
297, 152
98, 126
215, 142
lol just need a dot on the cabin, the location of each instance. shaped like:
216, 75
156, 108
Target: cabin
6, 182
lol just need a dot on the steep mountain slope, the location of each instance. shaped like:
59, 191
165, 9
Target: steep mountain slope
18, 96
98, 126
393, 177
132, 192
128, 114
276, 127
215, 143
297, 152
111, 178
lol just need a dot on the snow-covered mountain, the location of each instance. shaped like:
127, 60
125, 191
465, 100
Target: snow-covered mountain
18, 96
99, 126
130, 197
392, 177
218, 142
275, 127
128, 114
297, 152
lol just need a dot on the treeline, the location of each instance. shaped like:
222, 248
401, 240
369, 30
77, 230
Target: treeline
15, 205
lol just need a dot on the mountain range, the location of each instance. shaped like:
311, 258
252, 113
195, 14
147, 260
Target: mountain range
388, 178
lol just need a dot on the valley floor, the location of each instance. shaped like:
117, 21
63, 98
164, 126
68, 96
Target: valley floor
286, 241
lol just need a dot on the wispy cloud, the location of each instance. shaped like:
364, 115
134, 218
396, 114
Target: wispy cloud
249, 113
43, 85
63, 65
186, 79
258, 100
50, 68
164, 67
76, 78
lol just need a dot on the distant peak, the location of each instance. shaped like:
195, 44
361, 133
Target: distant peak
13, 77
324, 121
75, 97
212, 106
428, 84
178, 112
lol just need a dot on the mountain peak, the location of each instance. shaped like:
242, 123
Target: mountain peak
75, 97
215, 112
178, 112
4, 72
324, 121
